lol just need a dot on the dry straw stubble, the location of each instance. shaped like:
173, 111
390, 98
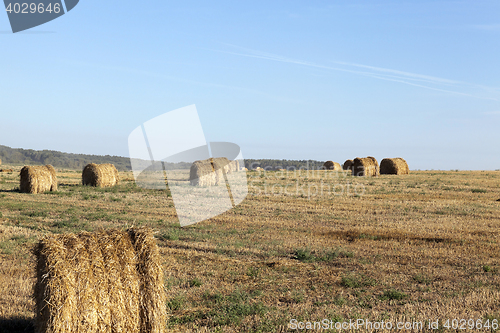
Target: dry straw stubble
38, 179
365, 166
100, 175
108, 281
394, 166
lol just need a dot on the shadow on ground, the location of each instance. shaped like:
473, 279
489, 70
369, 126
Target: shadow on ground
10, 191
17, 325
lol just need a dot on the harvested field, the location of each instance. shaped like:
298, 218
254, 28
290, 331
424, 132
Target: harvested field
395, 248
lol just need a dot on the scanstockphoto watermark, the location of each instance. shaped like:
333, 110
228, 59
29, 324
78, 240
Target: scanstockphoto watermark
302, 182
159, 145
358, 324
371, 326
306, 190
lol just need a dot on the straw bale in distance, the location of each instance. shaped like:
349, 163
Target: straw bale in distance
100, 175
394, 166
348, 165
211, 171
365, 166
234, 166
202, 173
107, 281
38, 179
221, 167
330, 165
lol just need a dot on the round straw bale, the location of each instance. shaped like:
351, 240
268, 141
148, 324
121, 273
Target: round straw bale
234, 166
394, 166
221, 167
38, 179
365, 166
202, 173
348, 165
153, 311
100, 175
107, 281
330, 165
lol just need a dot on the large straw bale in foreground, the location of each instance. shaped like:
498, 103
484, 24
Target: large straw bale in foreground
108, 281
394, 166
330, 165
366, 166
38, 179
100, 175
348, 165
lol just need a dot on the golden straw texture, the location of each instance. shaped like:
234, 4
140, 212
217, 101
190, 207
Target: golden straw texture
38, 179
348, 165
366, 166
330, 165
107, 281
394, 166
100, 175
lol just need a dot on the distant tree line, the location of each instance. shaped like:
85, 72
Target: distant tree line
19, 156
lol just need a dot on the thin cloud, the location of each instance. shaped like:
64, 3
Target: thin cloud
488, 27
183, 80
387, 74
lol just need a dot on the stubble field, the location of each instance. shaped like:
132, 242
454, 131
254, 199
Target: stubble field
305, 246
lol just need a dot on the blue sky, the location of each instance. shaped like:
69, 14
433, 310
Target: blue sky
317, 80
